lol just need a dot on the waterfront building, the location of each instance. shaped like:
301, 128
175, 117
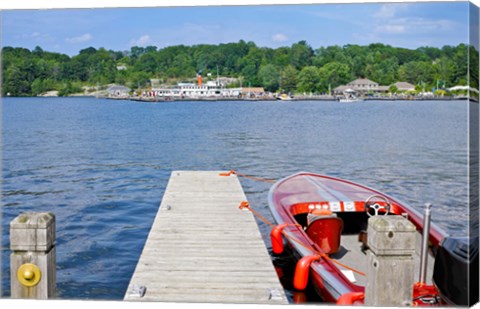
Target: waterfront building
361, 86
118, 91
404, 86
253, 92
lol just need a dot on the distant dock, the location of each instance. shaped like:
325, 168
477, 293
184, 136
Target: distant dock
319, 98
203, 248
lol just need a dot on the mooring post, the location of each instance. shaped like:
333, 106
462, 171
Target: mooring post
390, 274
32, 261
425, 240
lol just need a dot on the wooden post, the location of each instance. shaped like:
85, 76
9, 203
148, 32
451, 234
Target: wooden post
390, 273
32, 262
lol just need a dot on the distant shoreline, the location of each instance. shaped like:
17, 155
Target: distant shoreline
293, 99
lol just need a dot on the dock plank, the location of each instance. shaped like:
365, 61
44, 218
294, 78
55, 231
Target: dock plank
203, 248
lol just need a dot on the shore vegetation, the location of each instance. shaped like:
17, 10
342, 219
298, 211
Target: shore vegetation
298, 68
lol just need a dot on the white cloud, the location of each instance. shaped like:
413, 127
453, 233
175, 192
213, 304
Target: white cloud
390, 10
141, 41
33, 35
394, 19
414, 25
430, 25
79, 39
279, 37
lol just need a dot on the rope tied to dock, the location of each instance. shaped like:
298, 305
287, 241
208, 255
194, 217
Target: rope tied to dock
233, 172
246, 205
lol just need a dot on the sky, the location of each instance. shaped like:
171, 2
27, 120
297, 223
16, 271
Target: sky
409, 25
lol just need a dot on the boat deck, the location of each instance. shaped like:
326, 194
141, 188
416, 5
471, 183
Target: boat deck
352, 255
203, 248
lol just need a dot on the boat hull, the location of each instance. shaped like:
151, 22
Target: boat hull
294, 196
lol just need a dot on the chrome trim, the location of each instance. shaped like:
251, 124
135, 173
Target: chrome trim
424, 250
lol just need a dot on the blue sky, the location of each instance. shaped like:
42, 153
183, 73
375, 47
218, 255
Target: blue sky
409, 25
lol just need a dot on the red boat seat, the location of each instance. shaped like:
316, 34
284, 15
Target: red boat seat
326, 231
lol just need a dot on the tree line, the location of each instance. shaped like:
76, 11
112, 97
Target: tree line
295, 68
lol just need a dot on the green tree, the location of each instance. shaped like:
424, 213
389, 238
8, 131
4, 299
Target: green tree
444, 70
309, 79
269, 77
330, 54
460, 60
301, 55
15, 82
281, 56
385, 71
69, 88
249, 75
147, 63
139, 80
393, 89
416, 72
473, 69
291, 68
136, 52
288, 79
333, 74
38, 51
40, 86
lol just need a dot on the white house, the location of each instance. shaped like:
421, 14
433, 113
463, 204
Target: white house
361, 86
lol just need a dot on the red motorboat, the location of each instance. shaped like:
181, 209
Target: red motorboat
324, 221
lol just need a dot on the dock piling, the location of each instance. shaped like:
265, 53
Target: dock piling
390, 261
32, 261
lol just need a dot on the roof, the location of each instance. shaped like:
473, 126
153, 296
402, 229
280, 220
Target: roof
362, 81
404, 86
253, 89
118, 88
341, 88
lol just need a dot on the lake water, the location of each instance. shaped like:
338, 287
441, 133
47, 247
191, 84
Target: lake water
102, 166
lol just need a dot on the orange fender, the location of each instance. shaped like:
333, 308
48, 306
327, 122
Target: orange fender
348, 299
276, 238
300, 279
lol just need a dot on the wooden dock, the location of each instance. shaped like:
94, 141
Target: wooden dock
203, 248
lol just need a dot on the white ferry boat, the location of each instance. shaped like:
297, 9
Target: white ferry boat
210, 89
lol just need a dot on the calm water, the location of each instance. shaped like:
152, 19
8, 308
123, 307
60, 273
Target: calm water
102, 166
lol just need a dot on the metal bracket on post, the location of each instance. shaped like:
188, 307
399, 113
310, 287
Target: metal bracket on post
32, 262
